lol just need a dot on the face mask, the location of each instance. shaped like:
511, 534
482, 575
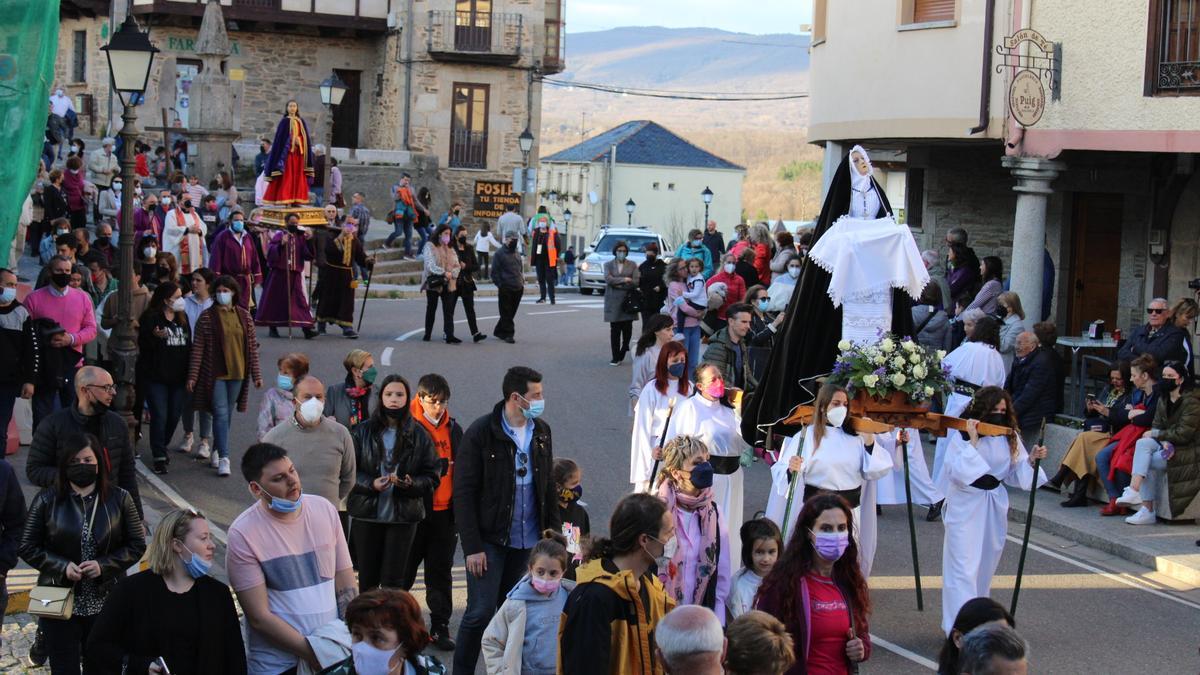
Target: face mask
702, 475
651, 256
166, 201
836, 416
830, 545
7, 295
116, 187
512, 245
715, 389
83, 475
570, 495
619, 255
59, 233
696, 243
763, 305
432, 420
279, 504
445, 239
396, 413
669, 551
1169, 385
61, 279
676, 369
370, 660
197, 567
999, 419
238, 226
793, 272
225, 297
728, 268
535, 409
369, 375
545, 587
177, 305
350, 229
311, 410
284, 382
149, 252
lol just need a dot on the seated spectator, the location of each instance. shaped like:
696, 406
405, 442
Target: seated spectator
993, 648
1183, 315
688, 641
975, 613
991, 270
387, 634
174, 610
1047, 335
758, 644
1106, 414
1158, 337
930, 323
735, 286
1031, 384
1115, 460
1171, 446
1012, 324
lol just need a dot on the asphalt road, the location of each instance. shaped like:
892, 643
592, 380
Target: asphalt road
1082, 611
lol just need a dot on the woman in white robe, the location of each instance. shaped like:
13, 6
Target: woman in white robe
976, 363
832, 461
658, 331
890, 488
654, 405
976, 510
708, 416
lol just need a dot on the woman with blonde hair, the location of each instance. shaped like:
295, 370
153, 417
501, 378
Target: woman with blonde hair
1012, 324
173, 611
349, 402
1183, 314
759, 644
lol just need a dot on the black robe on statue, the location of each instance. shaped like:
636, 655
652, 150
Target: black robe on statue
806, 346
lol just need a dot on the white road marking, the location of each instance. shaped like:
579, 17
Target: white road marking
901, 651
178, 500
386, 357
557, 311
411, 333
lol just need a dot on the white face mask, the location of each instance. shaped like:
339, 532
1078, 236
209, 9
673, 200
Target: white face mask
311, 410
432, 420
371, 660
177, 304
728, 268
836, 416
224, 297
150, 252
794, 272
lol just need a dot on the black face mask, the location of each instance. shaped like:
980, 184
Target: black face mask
1168, 385
512, 246
999, 419
83, 475
396, 413
60, 279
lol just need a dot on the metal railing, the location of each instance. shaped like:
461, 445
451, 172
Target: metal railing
454, 32
468, 149
1179, 46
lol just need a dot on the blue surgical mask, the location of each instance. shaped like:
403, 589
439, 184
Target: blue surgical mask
281, 505
535, 409
197, 566
676, 369
702, 475
7, 295
238, 226
763, 304
284, 382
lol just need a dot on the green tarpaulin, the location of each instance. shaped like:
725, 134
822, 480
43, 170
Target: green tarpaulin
28, 45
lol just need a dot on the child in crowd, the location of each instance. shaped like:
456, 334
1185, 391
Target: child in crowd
576, 526
523, 635
694, 295
699, 569
277, 404
761, 545
759, 644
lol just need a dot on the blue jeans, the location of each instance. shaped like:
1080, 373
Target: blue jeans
402, 225
166, 405
1148, 462
224, 399
691, 340
189, 418
318, 194
1120, 480
505, 567
569, 278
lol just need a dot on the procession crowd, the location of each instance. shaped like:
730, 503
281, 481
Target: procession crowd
365, 483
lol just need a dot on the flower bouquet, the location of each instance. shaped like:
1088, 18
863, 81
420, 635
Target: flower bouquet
891, 375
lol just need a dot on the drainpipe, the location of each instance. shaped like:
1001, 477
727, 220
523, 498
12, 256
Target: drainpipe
608, 190
985, 86
408, 58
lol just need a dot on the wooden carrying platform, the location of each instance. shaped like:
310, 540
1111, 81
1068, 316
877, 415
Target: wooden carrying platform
276, 216
885, 422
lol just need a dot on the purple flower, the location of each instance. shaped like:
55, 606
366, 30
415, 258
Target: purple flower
880, 371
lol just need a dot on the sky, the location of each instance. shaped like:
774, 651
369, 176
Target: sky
755, 17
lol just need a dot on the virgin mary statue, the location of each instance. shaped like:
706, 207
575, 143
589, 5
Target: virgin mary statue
856, 284
289, 166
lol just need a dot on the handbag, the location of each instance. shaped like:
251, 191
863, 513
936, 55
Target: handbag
632, 304
57, 602
435, 283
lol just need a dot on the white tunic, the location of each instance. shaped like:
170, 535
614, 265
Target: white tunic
840, 463
975, 363
174, 232
976, 521
890, 488
649, 421
741, 594
718, 427
643, 372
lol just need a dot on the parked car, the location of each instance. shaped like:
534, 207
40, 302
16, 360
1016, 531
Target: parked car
591, 264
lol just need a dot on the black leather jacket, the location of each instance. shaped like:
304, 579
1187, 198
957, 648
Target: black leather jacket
54, 527
414, 456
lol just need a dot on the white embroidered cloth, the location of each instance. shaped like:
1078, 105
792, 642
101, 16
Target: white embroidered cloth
866, 257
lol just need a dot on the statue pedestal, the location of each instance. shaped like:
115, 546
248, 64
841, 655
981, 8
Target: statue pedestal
276, 216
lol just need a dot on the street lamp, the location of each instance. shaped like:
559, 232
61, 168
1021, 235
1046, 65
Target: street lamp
525, 141
629, 207
567, 222
707, 197
332, 91
553, 196
130, 56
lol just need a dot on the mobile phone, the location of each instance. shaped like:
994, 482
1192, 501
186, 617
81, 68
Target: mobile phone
162, 663
1091, 397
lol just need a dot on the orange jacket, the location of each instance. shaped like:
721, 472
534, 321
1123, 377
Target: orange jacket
446, 436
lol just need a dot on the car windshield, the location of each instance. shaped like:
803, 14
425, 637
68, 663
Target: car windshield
635, 242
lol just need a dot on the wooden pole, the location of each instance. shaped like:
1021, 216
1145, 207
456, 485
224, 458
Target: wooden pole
1037, 465
912, 529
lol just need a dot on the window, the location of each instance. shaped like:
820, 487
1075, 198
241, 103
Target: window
923, 13
818, 27
656, 184
468, 126
914, 198
79, 57
671, 187
1173, 47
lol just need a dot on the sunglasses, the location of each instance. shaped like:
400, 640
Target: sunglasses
522, 462
1155, 310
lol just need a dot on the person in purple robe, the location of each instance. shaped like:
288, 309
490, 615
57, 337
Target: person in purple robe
233, 253
283, 302
146, 220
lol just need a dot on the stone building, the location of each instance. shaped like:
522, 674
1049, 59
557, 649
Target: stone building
1091, 153
442, 88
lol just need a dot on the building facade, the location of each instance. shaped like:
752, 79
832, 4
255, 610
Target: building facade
641, 162
1079, 137
453, 80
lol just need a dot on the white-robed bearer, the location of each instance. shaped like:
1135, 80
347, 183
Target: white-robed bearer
976, 510
832, 460
890, 488
974, 364
654, 407
709, 416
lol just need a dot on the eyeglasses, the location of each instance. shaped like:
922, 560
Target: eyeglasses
108, 388
522, 462
1155, 310
433, 400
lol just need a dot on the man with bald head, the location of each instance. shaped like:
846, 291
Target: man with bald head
689, 640
320, 447
1032, 386
94, 393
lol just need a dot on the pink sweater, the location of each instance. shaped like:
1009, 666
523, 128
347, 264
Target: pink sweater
73, 311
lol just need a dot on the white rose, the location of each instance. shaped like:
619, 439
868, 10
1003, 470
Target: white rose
870, 380
929, 391
918, 371
915, 358
844, 345
879, 360
909, 346
941, 354
898, 362
887, 345
899, 379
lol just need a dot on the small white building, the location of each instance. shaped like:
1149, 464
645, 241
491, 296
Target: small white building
661, 173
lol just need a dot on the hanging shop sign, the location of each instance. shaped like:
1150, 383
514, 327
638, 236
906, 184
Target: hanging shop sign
1035, 64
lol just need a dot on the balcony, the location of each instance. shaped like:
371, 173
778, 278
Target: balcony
555, 59
475, 37
468, 149
362, 15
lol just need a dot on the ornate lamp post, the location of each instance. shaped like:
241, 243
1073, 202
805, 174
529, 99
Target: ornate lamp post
707, 196
567, 228
130, 56
332, 91
629, 207
525, 141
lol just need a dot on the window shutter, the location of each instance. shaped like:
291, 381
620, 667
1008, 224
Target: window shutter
925, 11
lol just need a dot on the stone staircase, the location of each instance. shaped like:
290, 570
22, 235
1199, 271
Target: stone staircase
398, 278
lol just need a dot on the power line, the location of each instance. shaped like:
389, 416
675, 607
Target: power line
678, 95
